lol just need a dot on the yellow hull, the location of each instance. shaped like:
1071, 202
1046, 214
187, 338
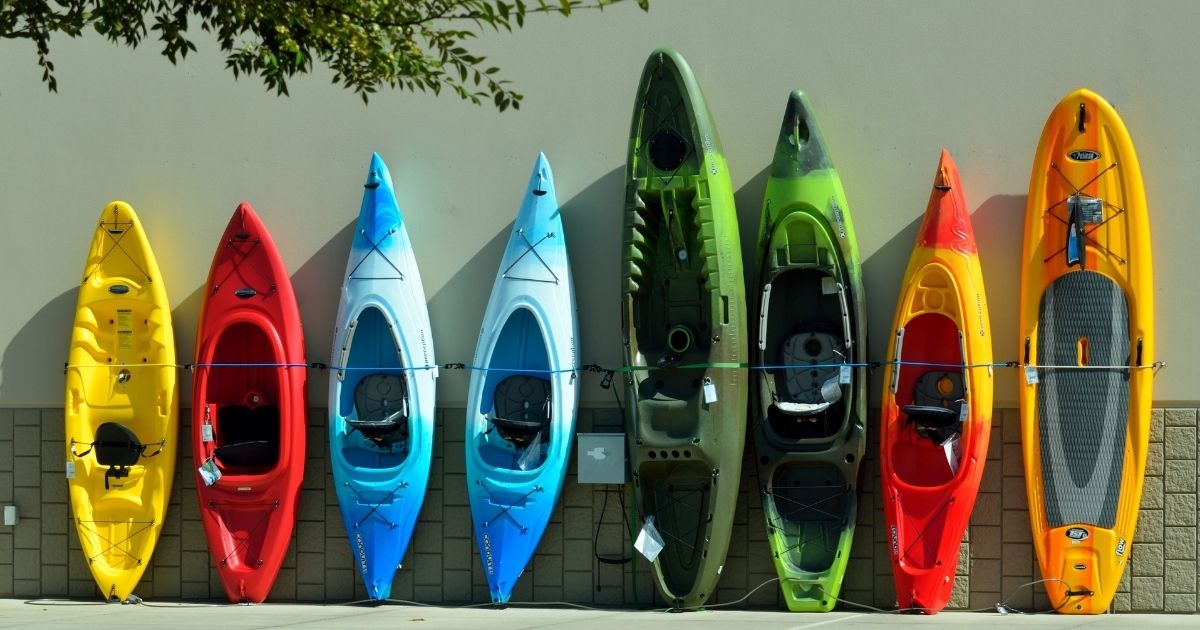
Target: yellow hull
1085, 155
121, 371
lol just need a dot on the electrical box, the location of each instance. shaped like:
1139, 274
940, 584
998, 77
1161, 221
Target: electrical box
601, 457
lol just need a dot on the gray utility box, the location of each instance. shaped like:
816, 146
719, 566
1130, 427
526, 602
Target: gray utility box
601, 457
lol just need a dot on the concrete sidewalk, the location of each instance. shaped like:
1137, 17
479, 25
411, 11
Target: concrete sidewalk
47, 614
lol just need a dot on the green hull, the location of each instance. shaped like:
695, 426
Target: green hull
810, 439
683, 303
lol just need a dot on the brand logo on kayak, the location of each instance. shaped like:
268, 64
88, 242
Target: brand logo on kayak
1081, 567
708, 148
979, 309
487, 553
1084, 155
1120, 547
895, 542
837, 217
1077, 534
362, 552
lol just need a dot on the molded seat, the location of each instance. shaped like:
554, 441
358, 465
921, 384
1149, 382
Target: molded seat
381, 404
522, 408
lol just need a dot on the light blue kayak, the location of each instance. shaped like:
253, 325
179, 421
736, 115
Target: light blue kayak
381, 389
524, 390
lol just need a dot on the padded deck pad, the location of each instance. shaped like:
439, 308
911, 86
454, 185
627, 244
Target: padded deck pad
1082, 414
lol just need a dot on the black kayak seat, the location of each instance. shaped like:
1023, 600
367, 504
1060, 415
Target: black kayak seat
381, 409
937, 424
118, 448
249, 437
521, 408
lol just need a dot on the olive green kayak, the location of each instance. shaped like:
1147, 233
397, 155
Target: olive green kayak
683, 317
808, 419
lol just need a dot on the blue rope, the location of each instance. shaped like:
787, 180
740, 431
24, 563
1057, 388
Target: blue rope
953, 365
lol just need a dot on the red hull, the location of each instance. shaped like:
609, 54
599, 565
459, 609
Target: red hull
256, 414
927, 500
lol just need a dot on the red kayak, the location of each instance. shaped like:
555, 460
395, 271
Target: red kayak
937, 400
248, 409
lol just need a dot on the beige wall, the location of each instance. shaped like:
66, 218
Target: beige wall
893, 82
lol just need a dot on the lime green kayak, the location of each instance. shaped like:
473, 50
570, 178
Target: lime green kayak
811, 401
683, 316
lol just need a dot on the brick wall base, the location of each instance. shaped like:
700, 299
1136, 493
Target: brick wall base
40, 557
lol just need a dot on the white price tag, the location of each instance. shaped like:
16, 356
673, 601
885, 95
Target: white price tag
829, 286
206, 433
70, 470
1031, 375
710, 391
964, 410
844, 374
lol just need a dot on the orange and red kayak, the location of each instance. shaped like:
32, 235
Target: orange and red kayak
937, 400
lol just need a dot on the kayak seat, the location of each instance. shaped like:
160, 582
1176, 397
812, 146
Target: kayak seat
938, 398
381, 406
118, 448
811, 378
249, 438
522, 408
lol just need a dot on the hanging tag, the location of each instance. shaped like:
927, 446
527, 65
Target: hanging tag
70, 470
1031, 375
206, 432
710, 391
649, 542
209, 473
831, 391
952, 447
844, 374
829, 286
964, 410
532, 457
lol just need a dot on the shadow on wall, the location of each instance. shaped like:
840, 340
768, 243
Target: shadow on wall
883, 271
749, 199
593, 222
318, 284
32, 368
999, 228
456, 313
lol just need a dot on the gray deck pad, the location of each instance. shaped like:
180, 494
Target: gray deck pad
1082, 414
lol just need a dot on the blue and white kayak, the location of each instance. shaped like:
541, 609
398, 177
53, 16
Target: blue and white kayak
381, 389
524, 390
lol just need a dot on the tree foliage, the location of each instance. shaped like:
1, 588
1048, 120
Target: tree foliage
414, 45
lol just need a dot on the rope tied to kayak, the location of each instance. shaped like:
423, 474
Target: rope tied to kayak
375, 250
375, 506
531, 249
116, 230
245, 540
505, 508
145, 525
834, 493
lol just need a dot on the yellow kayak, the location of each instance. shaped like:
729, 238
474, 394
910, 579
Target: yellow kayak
122, 414
1087, 344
